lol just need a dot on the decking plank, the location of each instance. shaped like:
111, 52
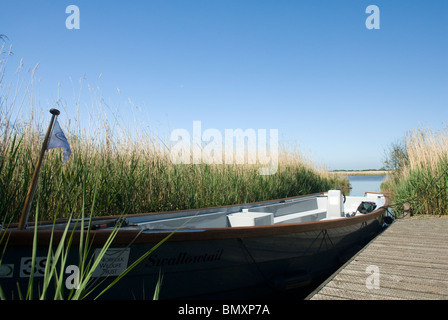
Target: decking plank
411, 257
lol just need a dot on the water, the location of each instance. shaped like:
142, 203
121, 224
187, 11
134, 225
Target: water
361, 184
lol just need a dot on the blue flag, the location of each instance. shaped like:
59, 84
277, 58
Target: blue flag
58, 140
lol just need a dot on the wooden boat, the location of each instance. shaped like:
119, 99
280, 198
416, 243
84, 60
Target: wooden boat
268, 249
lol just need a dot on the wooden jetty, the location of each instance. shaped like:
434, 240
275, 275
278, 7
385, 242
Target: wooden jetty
408, 261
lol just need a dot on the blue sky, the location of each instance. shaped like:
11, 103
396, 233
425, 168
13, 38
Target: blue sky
311, 69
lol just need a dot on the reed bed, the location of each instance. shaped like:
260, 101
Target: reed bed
133, 177
422, 179
129, 170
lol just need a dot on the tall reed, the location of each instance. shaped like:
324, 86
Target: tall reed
130, 169
423, 177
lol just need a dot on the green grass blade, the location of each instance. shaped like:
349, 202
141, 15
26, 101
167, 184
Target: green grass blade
29, 294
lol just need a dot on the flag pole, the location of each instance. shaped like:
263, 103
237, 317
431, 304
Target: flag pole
32, 188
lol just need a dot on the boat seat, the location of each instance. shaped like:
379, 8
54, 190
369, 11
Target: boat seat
211, 220
248, 219
307, 216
